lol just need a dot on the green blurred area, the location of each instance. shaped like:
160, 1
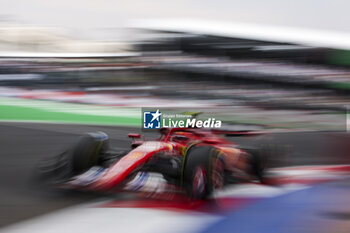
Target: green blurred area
21, 113
339, 57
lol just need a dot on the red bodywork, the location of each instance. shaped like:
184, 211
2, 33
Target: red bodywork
173, 141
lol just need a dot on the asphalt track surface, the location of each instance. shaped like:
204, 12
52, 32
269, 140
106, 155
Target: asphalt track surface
24, 144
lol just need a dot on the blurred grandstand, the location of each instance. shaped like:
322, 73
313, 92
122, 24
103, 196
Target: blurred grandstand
182, 64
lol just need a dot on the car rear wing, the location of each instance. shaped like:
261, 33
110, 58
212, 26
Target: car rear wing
243, 133
240, 130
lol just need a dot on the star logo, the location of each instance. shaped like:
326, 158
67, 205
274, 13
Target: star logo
151, 119
156, 115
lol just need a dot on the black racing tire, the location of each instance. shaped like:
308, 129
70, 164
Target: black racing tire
86, 152
203, 171
258, 165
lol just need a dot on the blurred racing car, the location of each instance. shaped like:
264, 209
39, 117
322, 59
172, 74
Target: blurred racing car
196, 161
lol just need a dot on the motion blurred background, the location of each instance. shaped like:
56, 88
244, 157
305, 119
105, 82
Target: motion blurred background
91, 65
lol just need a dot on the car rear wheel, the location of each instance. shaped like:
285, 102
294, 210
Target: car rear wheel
258, 165
203, 171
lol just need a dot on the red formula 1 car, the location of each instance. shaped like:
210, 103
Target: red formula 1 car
197, 161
